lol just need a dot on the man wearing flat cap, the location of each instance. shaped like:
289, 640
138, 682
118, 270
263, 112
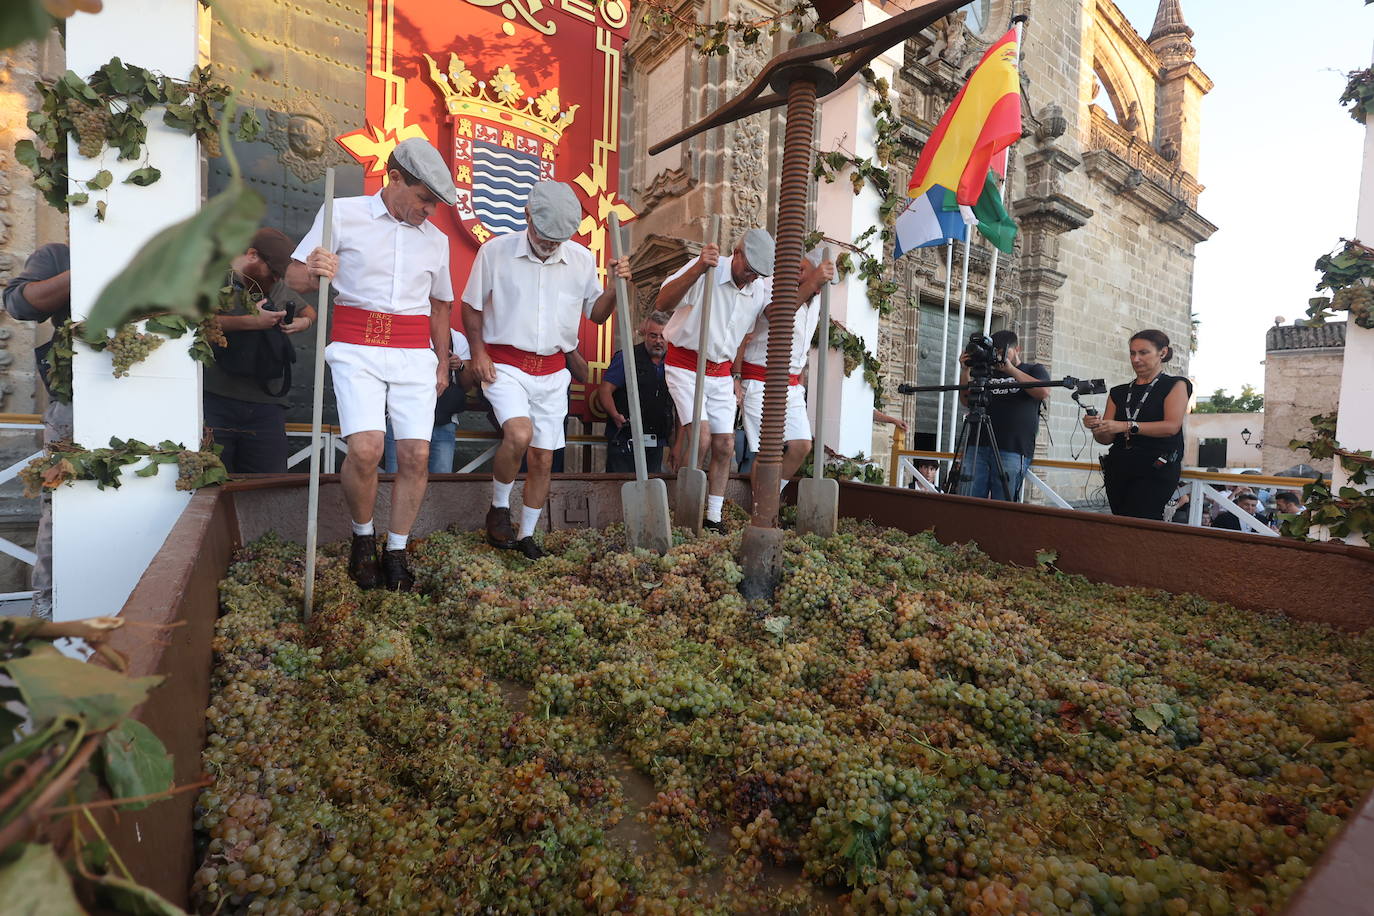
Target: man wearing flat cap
246, 387
522, 305
738, 295
754, 361
389, 343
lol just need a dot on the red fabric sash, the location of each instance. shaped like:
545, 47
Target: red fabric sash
754, 372
380, 329
683, 358
525, 361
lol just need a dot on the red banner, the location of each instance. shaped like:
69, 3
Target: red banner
510, 91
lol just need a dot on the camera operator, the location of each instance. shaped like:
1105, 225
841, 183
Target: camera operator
1014, 415
1143, 421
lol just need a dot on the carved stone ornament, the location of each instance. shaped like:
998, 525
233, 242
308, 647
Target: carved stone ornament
748, 143
302, 136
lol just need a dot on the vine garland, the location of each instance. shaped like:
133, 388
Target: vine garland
1359, 94
712, 39
128, 346
64, 462
106, 111
1347, 272
1349, 510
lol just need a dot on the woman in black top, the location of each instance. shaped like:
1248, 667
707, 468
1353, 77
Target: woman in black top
1143, 421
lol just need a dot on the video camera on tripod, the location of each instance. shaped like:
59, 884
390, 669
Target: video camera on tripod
984, 361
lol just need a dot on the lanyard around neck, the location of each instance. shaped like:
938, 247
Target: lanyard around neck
1134, 411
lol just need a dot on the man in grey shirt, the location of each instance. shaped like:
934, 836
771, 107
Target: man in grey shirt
42, 292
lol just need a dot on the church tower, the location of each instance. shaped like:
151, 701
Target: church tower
1182, 84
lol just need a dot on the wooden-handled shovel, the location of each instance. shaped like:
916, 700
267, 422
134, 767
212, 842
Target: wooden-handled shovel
691, 480
818, 497
644, 501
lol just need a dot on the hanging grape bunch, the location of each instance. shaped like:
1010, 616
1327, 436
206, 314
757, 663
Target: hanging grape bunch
92, 124
1358, 300
129, 346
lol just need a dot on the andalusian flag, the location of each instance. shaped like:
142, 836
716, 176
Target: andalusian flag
931, 219
994, 222
984, 120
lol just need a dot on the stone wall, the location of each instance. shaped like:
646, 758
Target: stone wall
1298, 385
1228, 426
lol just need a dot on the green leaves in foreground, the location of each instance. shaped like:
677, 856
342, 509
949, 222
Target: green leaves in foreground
136, 763
182, 268
21, 21
36, 884
54, 686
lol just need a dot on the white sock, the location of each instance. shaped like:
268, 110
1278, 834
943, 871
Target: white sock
529, 518
362, 528
396, 541
500, 494
713, 506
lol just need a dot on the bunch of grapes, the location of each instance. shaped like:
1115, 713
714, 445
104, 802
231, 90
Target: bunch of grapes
191, 468
212, 332
129, 346
92, 124
1358, 300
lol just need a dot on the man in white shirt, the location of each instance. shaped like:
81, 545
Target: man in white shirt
522, 306
754, 359
389, 342
737, 298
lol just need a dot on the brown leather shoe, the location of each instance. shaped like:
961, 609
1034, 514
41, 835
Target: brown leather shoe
362, 561
500, 531
397, 573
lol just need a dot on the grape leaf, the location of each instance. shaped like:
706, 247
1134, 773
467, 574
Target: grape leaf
136, 763
144, 176
1150, 718
26, 154
54, 685
23, 20
36, 884
180, 269
128, 897
78, 199
101, 180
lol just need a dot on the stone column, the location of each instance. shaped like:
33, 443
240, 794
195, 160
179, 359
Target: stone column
847, 122
1355, 429
104, 539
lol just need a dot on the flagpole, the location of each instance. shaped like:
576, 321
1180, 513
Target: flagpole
944, 342
1018, 23
963, 304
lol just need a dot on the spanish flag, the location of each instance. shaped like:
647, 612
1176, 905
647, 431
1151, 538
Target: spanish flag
983, 121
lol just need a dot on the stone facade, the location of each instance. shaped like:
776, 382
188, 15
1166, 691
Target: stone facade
1302, 379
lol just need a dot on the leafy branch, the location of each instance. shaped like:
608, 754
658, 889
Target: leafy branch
712, 39
1347, 272
64, 462
1344, 511
1359, 92
106, 111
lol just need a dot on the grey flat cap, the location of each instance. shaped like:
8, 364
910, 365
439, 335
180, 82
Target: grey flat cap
554, 210
417, 157
758, 251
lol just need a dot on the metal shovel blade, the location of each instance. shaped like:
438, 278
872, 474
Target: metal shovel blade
647, 524
690, 498
818, 506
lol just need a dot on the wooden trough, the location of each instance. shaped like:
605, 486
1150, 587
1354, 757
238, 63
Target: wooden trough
1330, 583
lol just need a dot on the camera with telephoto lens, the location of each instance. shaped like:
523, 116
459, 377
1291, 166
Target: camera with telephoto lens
982, 356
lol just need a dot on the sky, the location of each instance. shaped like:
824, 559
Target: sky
1280, 163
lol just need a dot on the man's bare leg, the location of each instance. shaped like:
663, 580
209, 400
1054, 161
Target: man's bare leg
793, 457
515, 439
408, 492
358, 475
718, 473
540, 464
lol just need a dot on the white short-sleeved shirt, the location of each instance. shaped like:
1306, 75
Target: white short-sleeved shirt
803, 329
385, 264
733, 312
528, 303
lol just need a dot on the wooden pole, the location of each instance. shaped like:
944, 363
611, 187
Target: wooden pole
317, 414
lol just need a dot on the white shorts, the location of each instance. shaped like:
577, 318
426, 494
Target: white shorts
798, 423
718, 400
373, 383
542, 398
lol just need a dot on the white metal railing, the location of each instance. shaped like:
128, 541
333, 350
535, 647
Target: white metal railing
1200, 491
34, 423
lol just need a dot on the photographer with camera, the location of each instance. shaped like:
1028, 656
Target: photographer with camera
1143, 421
1014, 413
655, 403
246, 387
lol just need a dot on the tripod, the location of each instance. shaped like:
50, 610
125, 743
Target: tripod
974, 433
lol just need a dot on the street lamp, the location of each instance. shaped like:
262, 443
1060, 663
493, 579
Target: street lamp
1245, 436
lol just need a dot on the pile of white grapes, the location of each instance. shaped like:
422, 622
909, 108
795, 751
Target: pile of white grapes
906, 728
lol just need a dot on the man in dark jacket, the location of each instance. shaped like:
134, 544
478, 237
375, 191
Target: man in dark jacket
656, 404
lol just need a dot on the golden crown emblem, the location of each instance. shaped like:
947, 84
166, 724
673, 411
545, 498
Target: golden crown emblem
501, 99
